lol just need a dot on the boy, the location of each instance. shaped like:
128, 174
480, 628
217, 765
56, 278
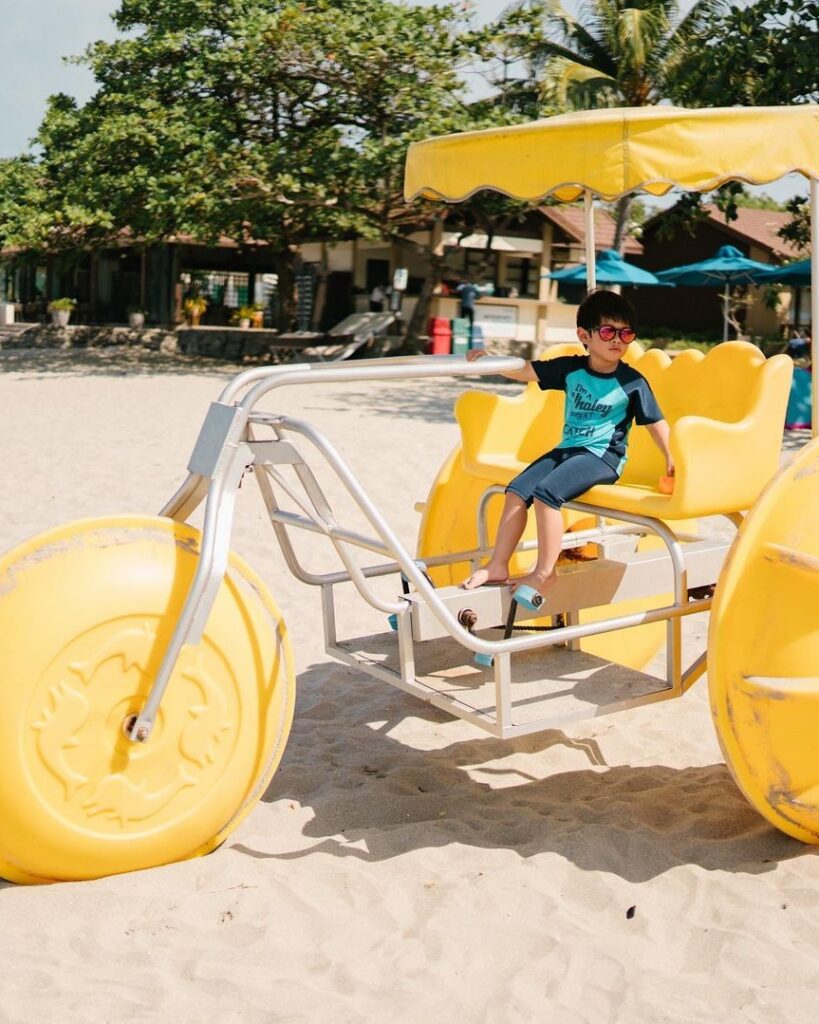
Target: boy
603, 397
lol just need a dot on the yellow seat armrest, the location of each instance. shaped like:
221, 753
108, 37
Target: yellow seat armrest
722, 467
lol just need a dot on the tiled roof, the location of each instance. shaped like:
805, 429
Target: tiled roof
757, 226
570, 218
752, 226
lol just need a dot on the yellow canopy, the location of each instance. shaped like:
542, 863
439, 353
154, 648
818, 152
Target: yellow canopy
609, 153
613, 152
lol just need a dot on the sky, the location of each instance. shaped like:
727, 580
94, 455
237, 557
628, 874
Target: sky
36, 35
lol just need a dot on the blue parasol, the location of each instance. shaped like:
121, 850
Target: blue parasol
727, 267
610, 268
797, 275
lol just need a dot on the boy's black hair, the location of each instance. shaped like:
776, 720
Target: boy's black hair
601, 305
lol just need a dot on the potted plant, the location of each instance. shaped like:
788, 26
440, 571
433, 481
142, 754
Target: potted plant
194, 307
257, 319
243, 316
136, 316
60, 310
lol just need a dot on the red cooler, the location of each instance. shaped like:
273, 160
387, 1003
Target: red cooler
440, 336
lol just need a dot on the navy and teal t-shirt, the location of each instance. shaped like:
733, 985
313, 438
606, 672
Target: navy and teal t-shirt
600, 407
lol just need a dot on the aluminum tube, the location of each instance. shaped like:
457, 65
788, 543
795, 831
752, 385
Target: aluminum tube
396, 368
281, 519
211, 565
656, 526
247, 377
442, 612
591, 266
339, 533
187, 498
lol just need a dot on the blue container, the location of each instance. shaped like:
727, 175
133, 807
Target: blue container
799, 404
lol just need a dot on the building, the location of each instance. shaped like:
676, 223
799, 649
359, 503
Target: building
109, 281
754, 233
525, 306
333, 279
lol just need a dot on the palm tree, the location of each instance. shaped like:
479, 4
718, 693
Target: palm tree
615, 53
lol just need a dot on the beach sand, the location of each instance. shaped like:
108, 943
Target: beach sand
402, 866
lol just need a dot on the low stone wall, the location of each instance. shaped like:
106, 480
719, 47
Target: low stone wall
235, 344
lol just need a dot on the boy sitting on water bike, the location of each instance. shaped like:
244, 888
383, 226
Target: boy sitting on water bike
604, 396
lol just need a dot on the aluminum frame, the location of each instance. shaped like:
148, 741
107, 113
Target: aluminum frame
227, 448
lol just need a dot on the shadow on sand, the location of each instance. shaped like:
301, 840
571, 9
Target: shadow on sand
367, 788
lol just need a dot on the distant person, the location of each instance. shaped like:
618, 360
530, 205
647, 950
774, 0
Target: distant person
604, 396
468, 293
798, 346
377, 296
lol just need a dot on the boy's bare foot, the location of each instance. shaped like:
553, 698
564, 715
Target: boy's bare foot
542, 582
481, 577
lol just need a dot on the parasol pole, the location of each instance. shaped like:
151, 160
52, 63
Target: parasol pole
591, 268
726, 298
814, 303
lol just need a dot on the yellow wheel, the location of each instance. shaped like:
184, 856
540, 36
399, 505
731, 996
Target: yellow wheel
449, 523
763, 652
86, 613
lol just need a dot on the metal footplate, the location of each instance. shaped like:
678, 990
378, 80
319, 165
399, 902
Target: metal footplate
606, 581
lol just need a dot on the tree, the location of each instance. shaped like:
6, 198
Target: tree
758, 54
614, 53
762, 54
23, 223
199, 127
269, 121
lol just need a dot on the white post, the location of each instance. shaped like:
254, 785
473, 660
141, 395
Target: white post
814, 303
591, 268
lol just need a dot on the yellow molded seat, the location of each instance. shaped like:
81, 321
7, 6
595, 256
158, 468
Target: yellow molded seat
726, 411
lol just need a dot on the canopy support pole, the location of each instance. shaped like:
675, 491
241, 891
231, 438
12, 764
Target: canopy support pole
814, 304
591, 266
726, 299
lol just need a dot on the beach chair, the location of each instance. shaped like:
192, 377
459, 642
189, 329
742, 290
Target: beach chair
355, 332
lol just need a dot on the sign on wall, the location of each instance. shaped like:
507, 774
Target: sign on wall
497, 321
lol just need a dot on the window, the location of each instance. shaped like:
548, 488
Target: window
522, 274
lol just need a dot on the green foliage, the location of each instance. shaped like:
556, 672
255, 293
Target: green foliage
614, 53
195, 305
64, 305
23, 222
757, 54
689, 212
797, 230
243, 313
760, 202
268, 121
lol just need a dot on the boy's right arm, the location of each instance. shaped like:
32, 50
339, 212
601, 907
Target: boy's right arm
527, 373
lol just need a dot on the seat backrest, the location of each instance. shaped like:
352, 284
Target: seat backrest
725, 385
733, 383
721, 385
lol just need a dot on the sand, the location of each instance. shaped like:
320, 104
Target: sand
403, 866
